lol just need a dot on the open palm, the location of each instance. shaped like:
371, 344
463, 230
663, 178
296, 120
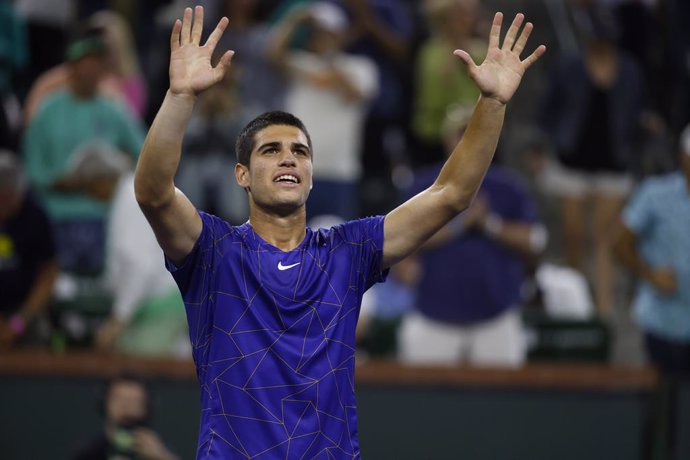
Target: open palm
191, 70
501, 72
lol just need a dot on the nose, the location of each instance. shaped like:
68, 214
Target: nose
287, 158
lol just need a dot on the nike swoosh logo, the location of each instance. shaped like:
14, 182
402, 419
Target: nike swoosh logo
282, 267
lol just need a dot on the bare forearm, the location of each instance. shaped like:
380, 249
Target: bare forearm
160, 156
464, 171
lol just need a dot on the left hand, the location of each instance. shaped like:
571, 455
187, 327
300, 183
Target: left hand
499, 76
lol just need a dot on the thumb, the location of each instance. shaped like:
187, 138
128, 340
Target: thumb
223, 65
466, 59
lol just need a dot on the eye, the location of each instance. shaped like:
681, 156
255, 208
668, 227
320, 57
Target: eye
301, 152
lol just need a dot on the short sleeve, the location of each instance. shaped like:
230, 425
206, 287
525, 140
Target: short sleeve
190, 276
366, 237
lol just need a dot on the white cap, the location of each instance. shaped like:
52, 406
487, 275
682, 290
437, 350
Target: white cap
329, 16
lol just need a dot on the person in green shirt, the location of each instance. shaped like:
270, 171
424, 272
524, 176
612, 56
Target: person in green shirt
67, 123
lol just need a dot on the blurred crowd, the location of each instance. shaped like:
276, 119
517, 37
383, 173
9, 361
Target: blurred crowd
582, 219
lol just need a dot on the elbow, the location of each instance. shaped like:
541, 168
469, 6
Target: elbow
152, 198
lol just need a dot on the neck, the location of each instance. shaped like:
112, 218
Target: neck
285, 232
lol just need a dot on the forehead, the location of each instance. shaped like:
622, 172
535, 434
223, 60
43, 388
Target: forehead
280, 133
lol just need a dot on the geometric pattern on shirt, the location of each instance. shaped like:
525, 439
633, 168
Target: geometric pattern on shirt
316, 407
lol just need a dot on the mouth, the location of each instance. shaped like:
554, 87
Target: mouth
287, 179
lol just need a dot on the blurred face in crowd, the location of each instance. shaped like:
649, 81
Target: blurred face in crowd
126, 403
279, 175
87, 73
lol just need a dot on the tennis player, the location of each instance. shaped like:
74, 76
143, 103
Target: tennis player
272, 305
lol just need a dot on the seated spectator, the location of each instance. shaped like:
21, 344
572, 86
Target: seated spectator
469, 298
329, 91
148, 316
654, 244
28, 265
126, 431
122, 81
71, 120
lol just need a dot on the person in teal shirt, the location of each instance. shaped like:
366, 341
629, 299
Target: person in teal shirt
67, 123
654, 244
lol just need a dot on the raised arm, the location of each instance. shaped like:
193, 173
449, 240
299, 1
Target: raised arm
172, 216
498, 77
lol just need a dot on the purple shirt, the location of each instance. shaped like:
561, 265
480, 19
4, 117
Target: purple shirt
472, 278
273, 338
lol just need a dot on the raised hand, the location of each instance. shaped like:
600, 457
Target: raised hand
500, 74
191, 70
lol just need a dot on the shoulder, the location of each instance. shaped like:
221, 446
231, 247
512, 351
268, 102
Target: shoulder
354, 231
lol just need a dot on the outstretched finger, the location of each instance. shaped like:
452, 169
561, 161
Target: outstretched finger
198, 25
175, 35
512, 32
213, 39
532, 58
522, 39
185, 34
495, 34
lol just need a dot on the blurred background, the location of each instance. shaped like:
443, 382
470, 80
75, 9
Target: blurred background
549, 320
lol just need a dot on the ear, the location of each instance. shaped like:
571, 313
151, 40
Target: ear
242, 175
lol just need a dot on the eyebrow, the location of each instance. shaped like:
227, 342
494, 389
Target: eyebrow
276, 144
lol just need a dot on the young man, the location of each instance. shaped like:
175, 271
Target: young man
271, 305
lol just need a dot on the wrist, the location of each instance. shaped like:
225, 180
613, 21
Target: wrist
494, 100
182, 96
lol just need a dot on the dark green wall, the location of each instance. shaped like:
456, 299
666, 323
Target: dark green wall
49, 417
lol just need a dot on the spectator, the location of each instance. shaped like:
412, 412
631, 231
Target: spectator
147, 316
28, 265
126, 431
592, 114
122, 80
654, 245
71, 120
208, 145
259, 87
440, 82
468, 305
329, 91
383, 30
47, 23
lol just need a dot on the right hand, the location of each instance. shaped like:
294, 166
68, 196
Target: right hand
664, 280
191, 71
